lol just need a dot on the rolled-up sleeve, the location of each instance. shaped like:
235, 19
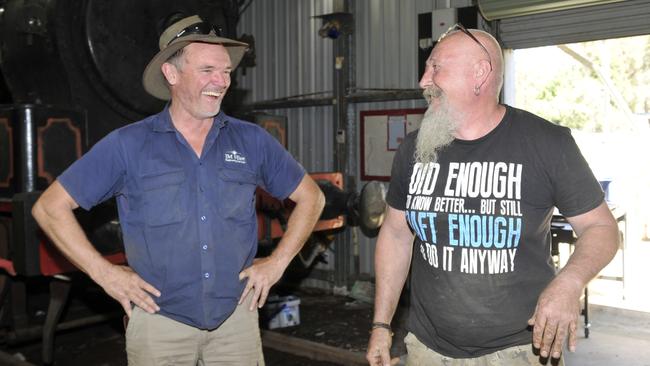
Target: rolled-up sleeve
281, 173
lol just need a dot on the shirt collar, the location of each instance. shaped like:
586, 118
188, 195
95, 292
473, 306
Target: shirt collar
220, 120
163, 121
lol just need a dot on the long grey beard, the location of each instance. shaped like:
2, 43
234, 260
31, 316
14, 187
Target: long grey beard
436, 130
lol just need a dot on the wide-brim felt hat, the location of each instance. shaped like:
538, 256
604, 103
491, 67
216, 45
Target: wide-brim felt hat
172, 40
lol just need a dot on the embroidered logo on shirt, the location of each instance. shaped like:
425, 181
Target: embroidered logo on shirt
234, 157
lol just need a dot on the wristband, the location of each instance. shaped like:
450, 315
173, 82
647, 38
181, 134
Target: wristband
386, 326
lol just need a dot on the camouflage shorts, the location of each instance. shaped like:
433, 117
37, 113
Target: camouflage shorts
421, 355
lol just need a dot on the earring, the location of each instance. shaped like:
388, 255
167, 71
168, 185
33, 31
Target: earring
477, 90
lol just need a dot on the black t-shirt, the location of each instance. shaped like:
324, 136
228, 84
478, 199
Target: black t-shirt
481, 216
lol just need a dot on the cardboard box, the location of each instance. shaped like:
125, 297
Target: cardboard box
281, 312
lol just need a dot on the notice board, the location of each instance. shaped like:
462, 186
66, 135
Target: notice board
382, 131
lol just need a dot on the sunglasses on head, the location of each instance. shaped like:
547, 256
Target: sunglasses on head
460, 27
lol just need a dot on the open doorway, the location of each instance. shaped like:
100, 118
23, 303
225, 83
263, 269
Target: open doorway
601, 90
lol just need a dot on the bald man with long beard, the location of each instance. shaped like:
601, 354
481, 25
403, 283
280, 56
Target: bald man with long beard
470, 201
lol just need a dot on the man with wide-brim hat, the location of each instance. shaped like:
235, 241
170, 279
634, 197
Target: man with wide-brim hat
178, 35
185, 182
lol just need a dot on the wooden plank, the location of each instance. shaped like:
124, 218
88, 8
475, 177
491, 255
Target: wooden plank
312, 350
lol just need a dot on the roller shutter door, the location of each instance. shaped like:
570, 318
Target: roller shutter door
621, 19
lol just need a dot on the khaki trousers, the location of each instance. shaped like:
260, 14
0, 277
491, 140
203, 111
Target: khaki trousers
421, 355
155, 340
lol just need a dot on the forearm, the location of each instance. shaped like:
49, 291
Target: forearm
57, 220
594, 249
301, 223
392, 262
597, 243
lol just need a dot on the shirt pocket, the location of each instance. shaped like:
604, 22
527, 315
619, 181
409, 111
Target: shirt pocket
164, 202
236, 193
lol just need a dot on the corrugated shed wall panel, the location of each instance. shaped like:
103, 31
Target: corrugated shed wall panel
311, 137
386, 57
424, 6
293, 60
385, 44
386, 40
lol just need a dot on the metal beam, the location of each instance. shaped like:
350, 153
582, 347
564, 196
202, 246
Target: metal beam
284, 103
359, 97
341, 82
385, 95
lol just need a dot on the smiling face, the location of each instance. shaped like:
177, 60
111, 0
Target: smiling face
447, 85
462, 67
198, 81
449, 72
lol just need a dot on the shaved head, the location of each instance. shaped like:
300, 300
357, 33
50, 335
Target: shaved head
496, 54
467, 46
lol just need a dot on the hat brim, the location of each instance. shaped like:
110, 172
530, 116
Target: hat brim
154, 81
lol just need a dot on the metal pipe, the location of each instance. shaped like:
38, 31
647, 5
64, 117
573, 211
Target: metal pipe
385, 96
27, 155
284, 103
353, 145
341, 48
359, 97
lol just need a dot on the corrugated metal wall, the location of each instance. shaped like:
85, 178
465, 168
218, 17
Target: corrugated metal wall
386, 42
292, 60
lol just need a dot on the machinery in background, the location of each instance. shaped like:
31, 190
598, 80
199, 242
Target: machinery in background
365, 209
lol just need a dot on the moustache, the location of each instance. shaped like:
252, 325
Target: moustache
431, 93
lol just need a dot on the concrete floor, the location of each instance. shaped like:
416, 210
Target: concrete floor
619, 312
619, 332
617, 337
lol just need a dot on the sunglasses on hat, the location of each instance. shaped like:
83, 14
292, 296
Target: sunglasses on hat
197, 28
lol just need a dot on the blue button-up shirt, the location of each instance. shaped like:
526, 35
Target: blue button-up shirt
188, 222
